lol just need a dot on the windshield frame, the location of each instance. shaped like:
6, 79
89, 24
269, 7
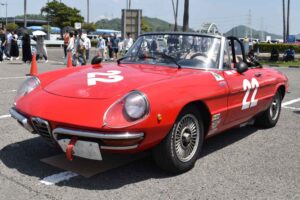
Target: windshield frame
222, 39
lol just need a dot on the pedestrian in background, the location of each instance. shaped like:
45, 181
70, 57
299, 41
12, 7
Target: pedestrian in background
41, 51
101, 47
71, 48
81, 51
3, 43
115, 47
87, 45
109, 47
8, 44
26, 48
128, 42
66, 38
14, 49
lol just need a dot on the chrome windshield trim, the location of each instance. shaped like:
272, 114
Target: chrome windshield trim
21, 119
97, 135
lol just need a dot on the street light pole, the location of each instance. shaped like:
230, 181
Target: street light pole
88, 11
5, 4
25, 13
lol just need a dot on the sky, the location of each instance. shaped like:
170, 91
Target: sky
265, 14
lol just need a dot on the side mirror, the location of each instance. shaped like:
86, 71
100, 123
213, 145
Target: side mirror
241, 67
96, 60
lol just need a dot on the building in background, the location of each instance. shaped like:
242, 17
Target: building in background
131, 22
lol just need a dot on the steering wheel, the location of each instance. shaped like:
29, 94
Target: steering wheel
210, 62
198, 54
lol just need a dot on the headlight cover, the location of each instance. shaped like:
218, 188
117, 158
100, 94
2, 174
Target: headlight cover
27, 86
129, 110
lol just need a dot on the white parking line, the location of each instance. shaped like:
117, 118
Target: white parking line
293, 108
56, 178
4, 116
290, 102
8, 91
18, 77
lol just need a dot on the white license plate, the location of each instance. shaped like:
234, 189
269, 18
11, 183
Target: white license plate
83, 149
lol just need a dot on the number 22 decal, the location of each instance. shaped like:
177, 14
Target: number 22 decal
247, 87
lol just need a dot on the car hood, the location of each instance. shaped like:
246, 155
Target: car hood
109, 80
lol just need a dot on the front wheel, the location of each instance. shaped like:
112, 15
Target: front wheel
178, 152
269, 118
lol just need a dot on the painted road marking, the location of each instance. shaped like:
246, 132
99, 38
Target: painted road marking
18, 77
4, 116
293, 108
56, 178
8, 91
290, 102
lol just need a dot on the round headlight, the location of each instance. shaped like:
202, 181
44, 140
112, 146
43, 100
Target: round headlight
28, 86
136, 105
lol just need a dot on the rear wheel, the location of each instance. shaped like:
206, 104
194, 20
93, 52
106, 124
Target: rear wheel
270, 117
178, 152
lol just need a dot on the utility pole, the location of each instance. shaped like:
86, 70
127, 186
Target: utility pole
250, 24
186, 16
283, 13
288, 20
88, 11
48, 27
5, 13
25, 13
175, 10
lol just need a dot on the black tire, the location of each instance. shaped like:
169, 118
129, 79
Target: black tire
181, 137
269, 117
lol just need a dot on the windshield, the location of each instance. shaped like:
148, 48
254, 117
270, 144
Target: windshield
186, 51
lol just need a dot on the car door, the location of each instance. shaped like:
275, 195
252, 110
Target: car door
243, 87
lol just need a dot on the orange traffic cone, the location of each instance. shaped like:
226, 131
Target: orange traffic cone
33, 69
69, 63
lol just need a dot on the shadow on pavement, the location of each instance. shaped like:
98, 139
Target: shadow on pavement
297, 112
25, 157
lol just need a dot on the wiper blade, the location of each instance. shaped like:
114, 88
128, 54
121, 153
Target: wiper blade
170, 58
123, 58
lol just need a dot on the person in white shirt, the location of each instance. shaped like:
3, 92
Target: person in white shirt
71, 49
101, 47
9, 37
87, 45
129, 42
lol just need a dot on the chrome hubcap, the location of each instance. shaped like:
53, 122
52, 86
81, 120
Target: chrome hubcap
186, 137
274, 108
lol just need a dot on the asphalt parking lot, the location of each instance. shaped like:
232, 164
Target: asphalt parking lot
244, 163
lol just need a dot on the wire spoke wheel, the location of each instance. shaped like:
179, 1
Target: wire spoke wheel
274, 108
186, 137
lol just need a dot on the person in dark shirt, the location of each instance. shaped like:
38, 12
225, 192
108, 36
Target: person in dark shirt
26, 48
3, 43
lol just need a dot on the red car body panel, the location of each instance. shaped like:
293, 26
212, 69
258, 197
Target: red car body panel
65, 99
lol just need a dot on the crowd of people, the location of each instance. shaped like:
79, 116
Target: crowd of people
76, 43
10, 48
108, 46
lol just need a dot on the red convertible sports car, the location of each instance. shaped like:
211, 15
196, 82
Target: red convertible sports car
169, 93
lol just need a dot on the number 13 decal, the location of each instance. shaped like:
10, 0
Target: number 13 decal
247, 87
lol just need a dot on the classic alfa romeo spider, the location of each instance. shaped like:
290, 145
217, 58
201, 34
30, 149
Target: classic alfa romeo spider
169, 93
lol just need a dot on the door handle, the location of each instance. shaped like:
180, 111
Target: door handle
258, 74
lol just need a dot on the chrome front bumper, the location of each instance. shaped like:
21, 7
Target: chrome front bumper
115, 136
23, 121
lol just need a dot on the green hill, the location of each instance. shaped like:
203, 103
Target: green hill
241, 31
154, 24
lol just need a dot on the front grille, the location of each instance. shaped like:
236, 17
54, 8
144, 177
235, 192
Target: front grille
42, 127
